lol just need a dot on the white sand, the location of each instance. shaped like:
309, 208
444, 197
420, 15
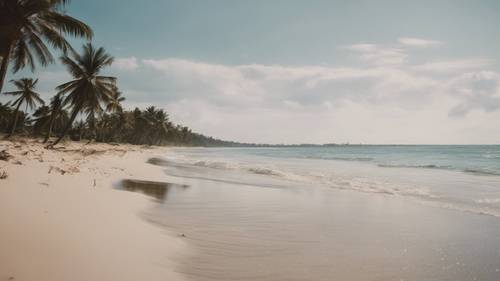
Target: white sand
60, 218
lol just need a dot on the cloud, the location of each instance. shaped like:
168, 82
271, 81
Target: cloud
362, 47
129, 63
383, 98
418, 42
477, 90
451, 66
379, 55
389, 103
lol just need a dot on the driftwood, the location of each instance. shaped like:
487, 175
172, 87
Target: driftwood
4, 155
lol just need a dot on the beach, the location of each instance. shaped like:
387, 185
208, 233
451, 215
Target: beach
233, 214
61, 218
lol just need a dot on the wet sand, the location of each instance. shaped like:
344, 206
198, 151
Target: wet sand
251, 227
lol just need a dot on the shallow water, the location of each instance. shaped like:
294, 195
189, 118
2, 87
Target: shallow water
252, 223
447, 188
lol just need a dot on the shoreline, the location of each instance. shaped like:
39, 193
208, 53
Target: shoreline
61, 218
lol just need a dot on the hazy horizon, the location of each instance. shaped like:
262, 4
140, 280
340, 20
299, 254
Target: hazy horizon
314, 72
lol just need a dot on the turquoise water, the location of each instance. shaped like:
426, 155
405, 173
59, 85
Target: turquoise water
464, 178
479, 159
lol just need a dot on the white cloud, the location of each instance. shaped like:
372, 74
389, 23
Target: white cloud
129, 63
418, 42
361, 47
477, 91
378, 55
376, 103
451, 66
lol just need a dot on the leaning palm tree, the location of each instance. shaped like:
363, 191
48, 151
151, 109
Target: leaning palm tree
28, 26
25, 94
89, 91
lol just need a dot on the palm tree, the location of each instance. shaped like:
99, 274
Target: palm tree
41, 116
55, 112
115, 104
26, 94
27, 26
5, 116
88, 91
157, 124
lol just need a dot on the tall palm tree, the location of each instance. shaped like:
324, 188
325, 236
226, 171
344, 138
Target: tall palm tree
25, 94
27, 26
89, 91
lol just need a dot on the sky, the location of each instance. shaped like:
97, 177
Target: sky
271, 71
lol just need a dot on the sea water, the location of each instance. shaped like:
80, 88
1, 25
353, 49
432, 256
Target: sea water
465, 178
333, 213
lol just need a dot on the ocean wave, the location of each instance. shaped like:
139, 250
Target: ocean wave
482, 172
214, 164
488, 201
314, 177
421, 194
478, 171
361, 159
426, 166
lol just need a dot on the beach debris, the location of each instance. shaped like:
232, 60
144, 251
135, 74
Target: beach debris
73, 170
4, 155
3, 175
95, 183
182, 235
57, 169
91, 151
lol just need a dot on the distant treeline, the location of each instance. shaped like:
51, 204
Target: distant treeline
150, 126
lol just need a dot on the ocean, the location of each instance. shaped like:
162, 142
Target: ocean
333, 213
461, 177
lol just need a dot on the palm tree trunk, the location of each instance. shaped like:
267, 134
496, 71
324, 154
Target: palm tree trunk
5, 65
14, 124
68, 126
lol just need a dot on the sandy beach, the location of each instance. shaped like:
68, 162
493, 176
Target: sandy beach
65, 214
61, 218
